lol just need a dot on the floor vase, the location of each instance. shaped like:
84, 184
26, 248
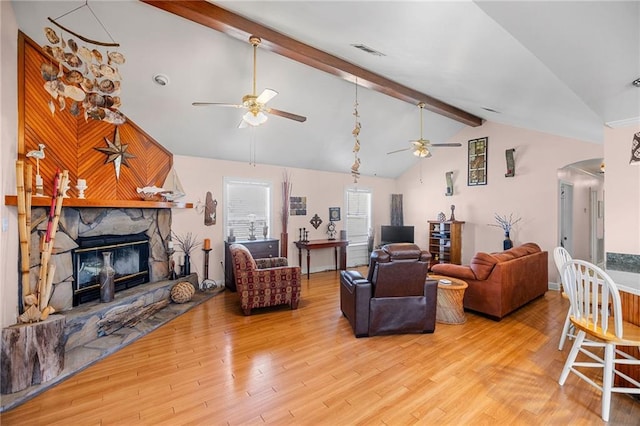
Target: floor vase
107, 279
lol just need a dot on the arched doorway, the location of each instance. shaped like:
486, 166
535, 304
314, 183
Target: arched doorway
581, 209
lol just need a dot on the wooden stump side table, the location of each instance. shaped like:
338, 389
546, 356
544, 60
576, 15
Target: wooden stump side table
449, 305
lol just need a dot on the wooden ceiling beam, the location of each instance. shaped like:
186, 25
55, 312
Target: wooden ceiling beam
219, 19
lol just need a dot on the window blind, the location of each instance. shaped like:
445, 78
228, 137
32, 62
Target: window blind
358, 223
242, 198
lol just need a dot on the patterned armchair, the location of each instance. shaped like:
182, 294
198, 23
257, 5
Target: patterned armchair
264, 282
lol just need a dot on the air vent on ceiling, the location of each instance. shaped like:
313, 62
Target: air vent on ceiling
367, 49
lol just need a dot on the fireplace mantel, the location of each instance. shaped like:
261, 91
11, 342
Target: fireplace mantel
12, 200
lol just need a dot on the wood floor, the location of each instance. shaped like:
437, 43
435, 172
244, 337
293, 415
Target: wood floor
214, 366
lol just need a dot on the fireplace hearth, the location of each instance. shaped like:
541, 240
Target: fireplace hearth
130, 259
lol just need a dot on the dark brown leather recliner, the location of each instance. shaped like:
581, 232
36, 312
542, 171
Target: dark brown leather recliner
395, 297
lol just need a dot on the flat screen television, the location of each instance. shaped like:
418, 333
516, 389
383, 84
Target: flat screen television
396, 234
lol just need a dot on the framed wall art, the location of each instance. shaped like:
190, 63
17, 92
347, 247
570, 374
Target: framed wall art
334, 214
478, 161
298, 206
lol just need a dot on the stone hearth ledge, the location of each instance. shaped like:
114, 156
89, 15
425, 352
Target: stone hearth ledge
84, 347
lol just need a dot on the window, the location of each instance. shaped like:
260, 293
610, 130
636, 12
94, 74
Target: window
358, 225
242, 198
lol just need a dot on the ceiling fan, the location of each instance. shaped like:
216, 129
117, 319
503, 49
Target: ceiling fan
255, 105
421, 147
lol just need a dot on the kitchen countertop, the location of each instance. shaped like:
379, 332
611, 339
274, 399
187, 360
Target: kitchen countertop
626, 281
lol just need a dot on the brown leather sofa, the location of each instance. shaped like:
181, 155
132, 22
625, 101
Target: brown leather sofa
500, 283
395, 297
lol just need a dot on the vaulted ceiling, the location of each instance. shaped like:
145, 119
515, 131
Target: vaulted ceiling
558, 67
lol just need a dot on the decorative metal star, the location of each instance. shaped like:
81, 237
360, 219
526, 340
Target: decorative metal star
116, 152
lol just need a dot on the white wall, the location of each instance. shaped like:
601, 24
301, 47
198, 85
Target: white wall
531, 194
8, 155
621, 192
322, 189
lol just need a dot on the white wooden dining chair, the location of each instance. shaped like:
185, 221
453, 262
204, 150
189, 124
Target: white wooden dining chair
560, 257
596, 314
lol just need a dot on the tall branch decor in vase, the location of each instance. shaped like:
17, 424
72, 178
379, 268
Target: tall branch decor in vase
506, 224
286, 192
187, 244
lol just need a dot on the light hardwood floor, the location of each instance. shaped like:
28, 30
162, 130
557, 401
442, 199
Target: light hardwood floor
214, 366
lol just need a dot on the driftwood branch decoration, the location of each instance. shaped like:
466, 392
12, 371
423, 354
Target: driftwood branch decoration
36, 305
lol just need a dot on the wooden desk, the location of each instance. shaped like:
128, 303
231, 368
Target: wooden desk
321, 244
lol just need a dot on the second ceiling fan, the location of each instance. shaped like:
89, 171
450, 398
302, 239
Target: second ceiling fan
256, 105
421, 147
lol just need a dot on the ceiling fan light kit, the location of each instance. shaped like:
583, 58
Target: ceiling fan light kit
255, 105
254, 119
421, 147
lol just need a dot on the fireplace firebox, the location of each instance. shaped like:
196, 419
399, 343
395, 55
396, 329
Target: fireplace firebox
129, 258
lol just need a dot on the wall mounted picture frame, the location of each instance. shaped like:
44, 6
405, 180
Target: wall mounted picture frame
477, 158
334, 214
297, 206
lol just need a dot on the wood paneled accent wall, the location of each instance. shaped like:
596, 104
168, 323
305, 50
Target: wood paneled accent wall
70, 141
630, 312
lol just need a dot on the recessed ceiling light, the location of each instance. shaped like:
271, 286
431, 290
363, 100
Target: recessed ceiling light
636, 82
161, 79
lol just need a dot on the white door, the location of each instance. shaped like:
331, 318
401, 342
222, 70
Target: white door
358, 224
566, 217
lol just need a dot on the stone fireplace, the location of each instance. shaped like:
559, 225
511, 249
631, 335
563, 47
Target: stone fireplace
85, 232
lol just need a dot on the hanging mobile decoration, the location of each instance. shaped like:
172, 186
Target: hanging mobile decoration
81, 76
356, 147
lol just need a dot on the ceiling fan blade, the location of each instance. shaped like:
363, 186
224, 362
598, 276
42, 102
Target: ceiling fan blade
398, 150
285, 114
266, 96
216, 104
446, 144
